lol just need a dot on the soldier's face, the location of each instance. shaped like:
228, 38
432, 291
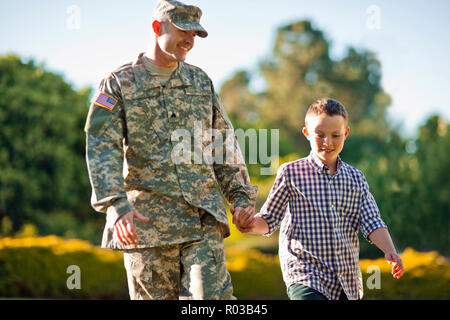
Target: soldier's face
174, 44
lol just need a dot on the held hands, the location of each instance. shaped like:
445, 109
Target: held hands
397, 269
124, 227
243, 218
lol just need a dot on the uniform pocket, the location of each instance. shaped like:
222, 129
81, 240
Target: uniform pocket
199, 101
137, 268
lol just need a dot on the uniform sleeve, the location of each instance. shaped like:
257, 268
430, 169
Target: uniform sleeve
105, 130
274, 209
370, 218
232, 174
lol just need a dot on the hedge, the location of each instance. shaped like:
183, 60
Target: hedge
37, 267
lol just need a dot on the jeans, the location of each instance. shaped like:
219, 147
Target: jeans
299, 291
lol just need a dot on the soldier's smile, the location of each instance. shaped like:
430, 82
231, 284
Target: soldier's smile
175, 43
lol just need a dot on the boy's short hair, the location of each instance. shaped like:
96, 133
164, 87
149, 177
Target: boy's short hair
328, 106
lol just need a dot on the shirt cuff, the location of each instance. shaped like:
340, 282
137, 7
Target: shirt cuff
368, 230
120, 207
272, 226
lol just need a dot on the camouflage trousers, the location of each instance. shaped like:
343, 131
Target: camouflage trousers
191, 270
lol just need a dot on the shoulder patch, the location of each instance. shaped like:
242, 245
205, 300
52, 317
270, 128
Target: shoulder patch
105, 101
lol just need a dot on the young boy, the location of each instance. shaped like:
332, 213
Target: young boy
321, 202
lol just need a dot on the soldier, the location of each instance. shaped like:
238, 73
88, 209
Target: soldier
166, 215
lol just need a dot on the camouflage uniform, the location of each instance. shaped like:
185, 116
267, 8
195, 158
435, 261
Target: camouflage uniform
130, 164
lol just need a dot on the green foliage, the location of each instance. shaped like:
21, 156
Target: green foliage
412, 189
38, 268
427, 276
41, 146
248, 268
301, 71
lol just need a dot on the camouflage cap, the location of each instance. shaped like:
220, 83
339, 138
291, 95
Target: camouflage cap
182, 16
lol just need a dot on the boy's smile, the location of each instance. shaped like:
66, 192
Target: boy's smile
326, 134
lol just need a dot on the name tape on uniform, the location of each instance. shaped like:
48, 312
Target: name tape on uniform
105, 101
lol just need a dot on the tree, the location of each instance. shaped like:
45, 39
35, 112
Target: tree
433, 188
42, 147
301, 71
411, 186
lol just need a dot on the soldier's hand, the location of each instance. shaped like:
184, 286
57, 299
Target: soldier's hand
243, 217
124, 227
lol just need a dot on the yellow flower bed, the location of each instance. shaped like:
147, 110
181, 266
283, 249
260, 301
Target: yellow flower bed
427, 276
255, 275
238, 260
61, 246
37, 267
412, 261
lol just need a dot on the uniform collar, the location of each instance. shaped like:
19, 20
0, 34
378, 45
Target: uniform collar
179, 78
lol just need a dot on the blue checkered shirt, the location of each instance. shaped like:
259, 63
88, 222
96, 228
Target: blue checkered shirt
320, 216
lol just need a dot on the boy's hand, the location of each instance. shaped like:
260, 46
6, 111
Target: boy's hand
397, 268
243, 218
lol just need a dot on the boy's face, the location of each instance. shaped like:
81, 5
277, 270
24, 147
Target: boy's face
326, 134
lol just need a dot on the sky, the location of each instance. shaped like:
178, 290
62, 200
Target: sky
85, 40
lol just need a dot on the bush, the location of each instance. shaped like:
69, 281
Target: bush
255, 275
427, 276
38, 268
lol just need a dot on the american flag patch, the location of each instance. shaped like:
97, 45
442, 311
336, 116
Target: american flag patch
105, 101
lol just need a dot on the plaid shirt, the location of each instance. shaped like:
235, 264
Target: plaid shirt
320, 216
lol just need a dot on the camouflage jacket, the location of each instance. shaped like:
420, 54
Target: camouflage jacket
133, 132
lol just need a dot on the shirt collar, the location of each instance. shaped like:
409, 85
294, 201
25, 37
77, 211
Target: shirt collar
320, 166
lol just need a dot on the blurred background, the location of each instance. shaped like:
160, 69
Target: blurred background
385, 61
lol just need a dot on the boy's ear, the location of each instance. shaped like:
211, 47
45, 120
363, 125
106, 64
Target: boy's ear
347, 131
156, 26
